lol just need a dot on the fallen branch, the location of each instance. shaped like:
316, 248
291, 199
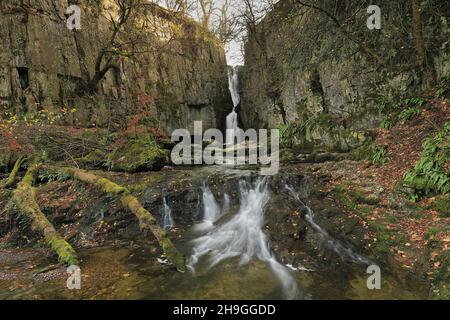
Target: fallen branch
146, 220
12, 176
24, 199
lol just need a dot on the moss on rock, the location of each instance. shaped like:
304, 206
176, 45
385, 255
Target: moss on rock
141, 154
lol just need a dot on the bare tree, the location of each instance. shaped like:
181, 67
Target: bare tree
134, 29
421, 60
181, 6
421, 52
108, 55
206, 10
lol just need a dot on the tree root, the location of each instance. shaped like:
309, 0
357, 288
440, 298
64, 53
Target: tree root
12, 176
146, 220
24, 199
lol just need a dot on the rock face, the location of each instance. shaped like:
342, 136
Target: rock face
42, 62
301, 66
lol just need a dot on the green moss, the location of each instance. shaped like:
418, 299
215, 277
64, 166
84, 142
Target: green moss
384, 237
349, 225
66, 254
340, 193
24, 199
177, 259
3, 164
442, 276
12, 176
94, 158
110, 187
142, 154
442, 205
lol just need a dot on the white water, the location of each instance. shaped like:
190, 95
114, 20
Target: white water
335, 245
242, 236
233, 84
226, 203
211, 210
167, 220
232, 118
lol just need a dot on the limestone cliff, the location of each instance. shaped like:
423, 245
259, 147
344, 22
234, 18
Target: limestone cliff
334, 75
42, 63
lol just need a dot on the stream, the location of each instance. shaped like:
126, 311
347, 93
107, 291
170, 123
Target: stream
236, 229
244, 236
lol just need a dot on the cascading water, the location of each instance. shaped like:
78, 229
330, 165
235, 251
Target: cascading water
344, 252
167, 218
211, 210
232, 118
233, 84
242, 236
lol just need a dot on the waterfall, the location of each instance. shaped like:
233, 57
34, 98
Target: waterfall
342, 251
233, 84
243, 237
211, 210
167, 218
232, 117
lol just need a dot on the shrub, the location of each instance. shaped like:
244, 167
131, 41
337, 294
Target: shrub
415, 102
379, 156
443, 90
409, 113
137, 154
387, 124
431, 173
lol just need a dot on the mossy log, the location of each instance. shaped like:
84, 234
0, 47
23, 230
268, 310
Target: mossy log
24, 199
146, 220
12, 176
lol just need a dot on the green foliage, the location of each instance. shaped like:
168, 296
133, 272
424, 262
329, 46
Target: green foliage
385, 237
431, 173
399, 110
295, 130
442, 205
52, 175
38, 118
387, 123
306, 121
388, 104
96, 3
409, 113
66, 254
383, 103
3, 164
441, 275
414, 102
379, 155
137, 154
443, 90
286, 134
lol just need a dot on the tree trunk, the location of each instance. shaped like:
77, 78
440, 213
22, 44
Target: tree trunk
24, 199
12, 176
421, 52
146, 219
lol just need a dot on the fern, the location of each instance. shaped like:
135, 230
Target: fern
431, 173
387, 124
443, 90
409, 113
379, 156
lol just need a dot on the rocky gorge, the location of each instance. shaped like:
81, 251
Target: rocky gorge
180, 78
88, 178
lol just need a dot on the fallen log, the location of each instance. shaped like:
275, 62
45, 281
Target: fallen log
24, 199
12, 176
146, 220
